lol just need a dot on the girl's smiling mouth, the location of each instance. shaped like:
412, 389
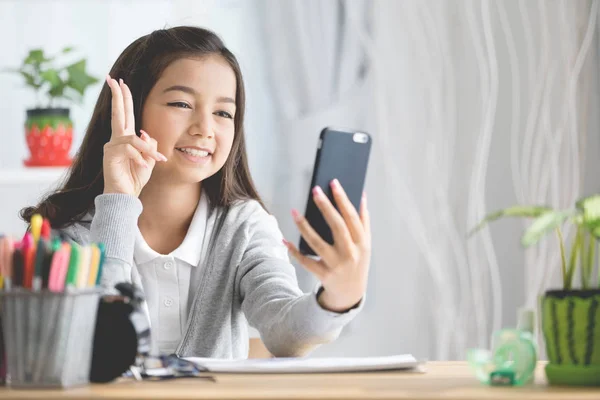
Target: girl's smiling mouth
195, 154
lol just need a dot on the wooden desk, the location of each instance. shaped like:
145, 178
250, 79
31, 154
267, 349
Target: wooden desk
447, 380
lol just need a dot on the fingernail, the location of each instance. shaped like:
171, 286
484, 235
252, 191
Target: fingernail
285, 242
120, 81
364, 198
161, 156
317, 191
295, 215
335, 183
145, 136
108, 78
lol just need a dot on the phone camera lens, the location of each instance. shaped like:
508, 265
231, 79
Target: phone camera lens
360, 138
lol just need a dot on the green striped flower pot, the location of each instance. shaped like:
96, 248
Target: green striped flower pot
49, 135
571, 327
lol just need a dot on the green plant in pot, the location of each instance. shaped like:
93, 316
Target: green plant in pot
570, 316
48, 127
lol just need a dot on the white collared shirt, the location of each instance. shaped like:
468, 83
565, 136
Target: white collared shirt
166, 281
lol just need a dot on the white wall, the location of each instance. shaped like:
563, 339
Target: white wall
100, 30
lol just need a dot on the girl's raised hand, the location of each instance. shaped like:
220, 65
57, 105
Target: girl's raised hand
128, 159
344, 266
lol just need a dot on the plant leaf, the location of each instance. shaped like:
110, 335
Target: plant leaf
514, 211
542, 225
51, 76
57, 90
79, 80
36, 57
590, 209
67, 49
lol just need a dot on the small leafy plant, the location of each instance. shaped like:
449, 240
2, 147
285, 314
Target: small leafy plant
585, 217
42, 73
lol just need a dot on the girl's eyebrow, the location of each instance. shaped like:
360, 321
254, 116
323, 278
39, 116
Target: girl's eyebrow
180, 88
192, 91
225, 100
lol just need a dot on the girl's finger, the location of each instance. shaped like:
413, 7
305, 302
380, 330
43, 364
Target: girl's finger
136, 156
145, 137
151, 141
127, 106
117, 118
321, 247
341, 236
365, 218
153, 145
314, 266
348, 211
142, 145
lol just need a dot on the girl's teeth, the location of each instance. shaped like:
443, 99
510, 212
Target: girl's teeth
195, 153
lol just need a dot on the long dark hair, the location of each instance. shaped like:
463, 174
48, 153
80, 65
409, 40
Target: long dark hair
140, 66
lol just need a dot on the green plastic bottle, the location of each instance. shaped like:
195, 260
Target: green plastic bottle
513, 357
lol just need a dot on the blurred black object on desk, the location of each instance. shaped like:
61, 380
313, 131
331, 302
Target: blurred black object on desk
122, 335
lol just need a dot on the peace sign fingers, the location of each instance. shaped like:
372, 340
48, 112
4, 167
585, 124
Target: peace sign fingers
122, 119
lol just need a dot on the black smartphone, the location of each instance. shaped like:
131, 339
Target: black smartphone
342, 154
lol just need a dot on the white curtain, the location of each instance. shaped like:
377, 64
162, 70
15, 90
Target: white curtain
318, 70
474, 105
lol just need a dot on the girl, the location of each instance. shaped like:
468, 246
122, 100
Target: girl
179, 214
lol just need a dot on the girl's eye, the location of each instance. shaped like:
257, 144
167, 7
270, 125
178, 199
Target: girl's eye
179, 104
224, 114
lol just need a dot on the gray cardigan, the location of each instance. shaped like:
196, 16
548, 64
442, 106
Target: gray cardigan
246, 275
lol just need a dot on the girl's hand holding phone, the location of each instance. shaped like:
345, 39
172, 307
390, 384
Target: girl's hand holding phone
128, 159
344, 266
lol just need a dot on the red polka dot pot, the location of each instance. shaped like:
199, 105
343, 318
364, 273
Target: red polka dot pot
49, 135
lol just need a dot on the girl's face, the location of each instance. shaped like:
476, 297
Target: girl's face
190, 113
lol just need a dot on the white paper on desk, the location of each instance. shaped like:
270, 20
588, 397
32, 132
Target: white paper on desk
308, 365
